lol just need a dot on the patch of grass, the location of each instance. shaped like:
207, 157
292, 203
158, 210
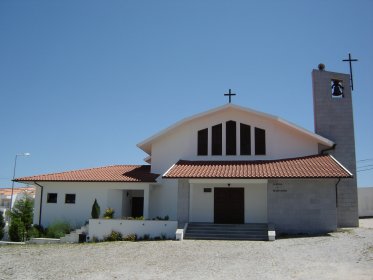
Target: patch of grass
58, 229
345, 230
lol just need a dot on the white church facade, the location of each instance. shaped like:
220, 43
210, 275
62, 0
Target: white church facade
229, 165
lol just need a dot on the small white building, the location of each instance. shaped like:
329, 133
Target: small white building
229, 165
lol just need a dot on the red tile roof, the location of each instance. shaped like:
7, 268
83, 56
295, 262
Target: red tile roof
317, 166
115, 173
8, 191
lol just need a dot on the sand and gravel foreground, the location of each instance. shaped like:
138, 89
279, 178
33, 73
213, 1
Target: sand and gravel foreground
347, 254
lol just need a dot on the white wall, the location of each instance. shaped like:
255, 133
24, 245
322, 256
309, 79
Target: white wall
107, 195
365, 198
181, 142
163, 199
99, 228
202, 204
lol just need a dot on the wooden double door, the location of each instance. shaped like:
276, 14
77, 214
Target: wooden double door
229, 206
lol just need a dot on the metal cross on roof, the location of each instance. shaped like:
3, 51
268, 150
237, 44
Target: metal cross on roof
350, 60
230, 94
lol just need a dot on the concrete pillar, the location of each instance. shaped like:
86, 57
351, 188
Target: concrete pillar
146, 202
183, 202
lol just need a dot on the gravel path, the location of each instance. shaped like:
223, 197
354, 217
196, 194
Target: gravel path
347, 254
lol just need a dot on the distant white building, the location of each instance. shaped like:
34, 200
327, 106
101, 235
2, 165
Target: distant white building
18, 193
365, 202
229, 165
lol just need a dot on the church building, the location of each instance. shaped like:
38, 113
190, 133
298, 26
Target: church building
227, 166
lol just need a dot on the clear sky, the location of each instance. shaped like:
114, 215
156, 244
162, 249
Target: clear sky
82, 82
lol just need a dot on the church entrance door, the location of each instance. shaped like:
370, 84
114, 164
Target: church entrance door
137, 206
229, 206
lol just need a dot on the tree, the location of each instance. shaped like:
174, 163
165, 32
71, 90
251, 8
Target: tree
2, 225
95, 210
17, 231
21, 217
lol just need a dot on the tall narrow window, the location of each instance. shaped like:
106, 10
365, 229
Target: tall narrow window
202, 142
245, 139
216, 140
230, 133
260, 141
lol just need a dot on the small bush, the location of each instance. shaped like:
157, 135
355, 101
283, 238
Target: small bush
109, 213
141, 218
146, 237
17, 230
58, 230
37, 231
95, 213
130, 237
114, 236
158, 218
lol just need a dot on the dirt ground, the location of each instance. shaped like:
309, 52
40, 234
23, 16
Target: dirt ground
346, 254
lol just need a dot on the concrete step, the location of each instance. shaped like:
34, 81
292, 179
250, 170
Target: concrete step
208, 231
73, 237
253, 238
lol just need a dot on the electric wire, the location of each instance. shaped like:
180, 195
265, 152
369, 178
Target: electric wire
364, 170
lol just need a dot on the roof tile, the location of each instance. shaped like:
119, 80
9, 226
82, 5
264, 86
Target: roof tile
115, 173
316, 166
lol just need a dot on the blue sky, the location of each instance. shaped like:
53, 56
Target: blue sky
82, 82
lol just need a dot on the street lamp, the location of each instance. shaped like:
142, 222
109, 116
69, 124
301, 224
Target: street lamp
14, 175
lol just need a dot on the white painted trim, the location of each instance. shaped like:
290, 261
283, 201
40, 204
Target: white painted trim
168, 170
341, 165
145, 145
148, 159
228, 181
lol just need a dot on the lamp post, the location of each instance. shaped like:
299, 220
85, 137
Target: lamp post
14, 175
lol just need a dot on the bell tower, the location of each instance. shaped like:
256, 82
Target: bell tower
332, 101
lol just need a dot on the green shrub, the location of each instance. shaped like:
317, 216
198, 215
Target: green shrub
140, 218
146, 237
58, 229
2, 225
114, 236
21, 217
130, 237
17, 230
95, 213
37, 231
158, 218
109, 213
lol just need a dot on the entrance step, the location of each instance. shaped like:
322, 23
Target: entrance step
208, 231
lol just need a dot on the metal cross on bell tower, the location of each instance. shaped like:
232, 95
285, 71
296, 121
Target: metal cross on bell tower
230, 94
350, 60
